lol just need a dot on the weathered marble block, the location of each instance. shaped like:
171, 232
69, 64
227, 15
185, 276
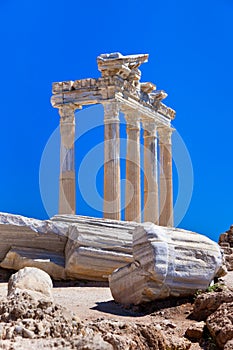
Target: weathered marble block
51, 262
35, 243
96, 247
67, 246
167, 262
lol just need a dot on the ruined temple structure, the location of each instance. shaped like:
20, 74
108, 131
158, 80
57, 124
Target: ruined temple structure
119, 89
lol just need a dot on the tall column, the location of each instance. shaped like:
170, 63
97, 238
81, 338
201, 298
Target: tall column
166, 188
112, 190
133, 184
151, 201
67, 192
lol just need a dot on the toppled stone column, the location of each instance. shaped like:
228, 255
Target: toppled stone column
96, 247
167, 262
34, 243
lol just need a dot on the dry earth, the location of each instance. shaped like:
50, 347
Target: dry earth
93, 304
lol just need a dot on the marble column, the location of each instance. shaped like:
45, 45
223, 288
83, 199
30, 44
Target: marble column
67, 193
112, 190
151, 201
166, 187
133, 184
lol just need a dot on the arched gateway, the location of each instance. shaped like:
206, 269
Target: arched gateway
119, 89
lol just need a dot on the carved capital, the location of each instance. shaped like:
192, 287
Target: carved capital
111, 112
132, 118
150, 128
66, 112
67, 125
165, 135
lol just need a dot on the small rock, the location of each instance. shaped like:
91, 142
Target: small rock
207, 303
9, 333
229, 345
18, 330
220, 324
158, 327
2, 332
169, 324
27, 333
95, 342
35, 281
195, 331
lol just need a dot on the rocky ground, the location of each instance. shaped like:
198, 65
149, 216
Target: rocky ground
84, 316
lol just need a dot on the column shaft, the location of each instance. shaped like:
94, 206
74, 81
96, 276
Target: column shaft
133, 184
67, 192
151, 201
111, 162
166, 186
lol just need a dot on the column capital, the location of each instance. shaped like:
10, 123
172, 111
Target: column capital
111, 112
150, 126
132, 117
133, 121
66, 112
165, 134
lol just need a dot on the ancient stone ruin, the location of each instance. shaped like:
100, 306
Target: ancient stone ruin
145, 261
119, 89
142, 262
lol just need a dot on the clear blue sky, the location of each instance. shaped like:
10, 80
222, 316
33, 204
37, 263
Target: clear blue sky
191, 57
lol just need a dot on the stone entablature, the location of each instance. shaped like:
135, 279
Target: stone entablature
125, 89
119, 89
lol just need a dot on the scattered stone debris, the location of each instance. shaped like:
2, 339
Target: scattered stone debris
220, 324
23, 315
226, 243
28, 322
207, 303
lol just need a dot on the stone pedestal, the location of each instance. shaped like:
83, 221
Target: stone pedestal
111, 161
133, 185
67, 203
166, 187
151, 202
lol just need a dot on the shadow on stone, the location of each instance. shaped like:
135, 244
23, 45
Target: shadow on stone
79, 283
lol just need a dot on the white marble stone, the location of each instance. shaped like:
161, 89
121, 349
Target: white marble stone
31, 280
96, 247
167, 262
67, 246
